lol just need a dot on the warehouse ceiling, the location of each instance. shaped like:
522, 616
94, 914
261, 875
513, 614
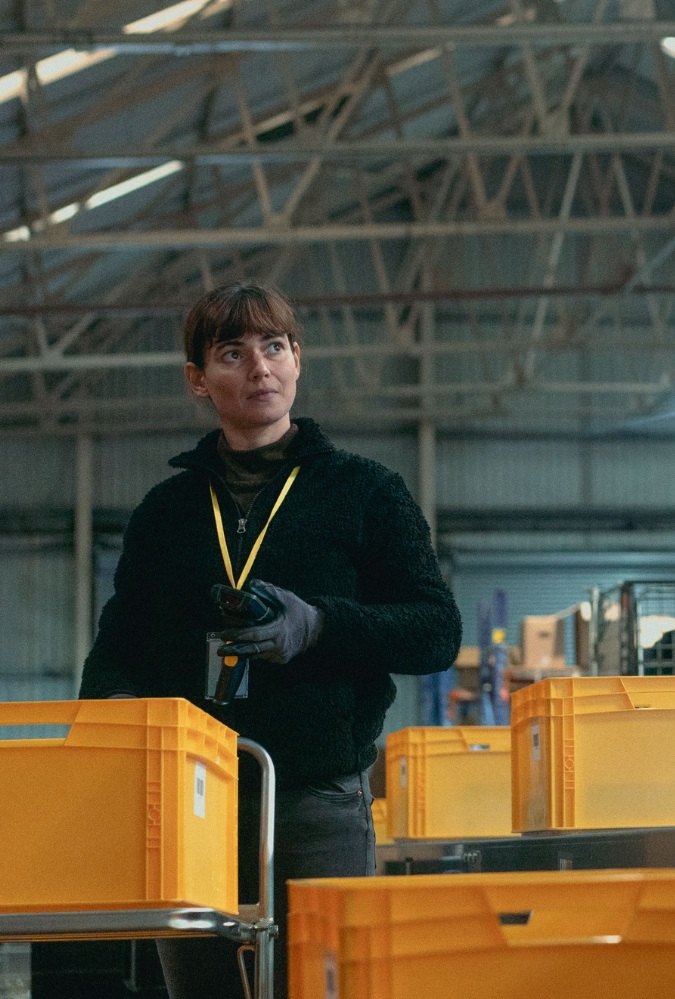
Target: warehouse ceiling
472, 205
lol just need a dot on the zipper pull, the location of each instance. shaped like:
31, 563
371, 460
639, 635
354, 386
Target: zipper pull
242, 526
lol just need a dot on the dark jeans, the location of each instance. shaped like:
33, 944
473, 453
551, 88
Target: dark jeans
325, 830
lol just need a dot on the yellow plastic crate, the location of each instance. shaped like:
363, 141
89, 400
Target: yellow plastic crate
135, 808
560, 934
449, 782
594, 753
379, 809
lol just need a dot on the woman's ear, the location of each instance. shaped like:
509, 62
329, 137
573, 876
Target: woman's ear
195, 379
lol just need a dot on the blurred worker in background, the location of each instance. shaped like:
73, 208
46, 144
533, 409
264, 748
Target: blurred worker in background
340, 548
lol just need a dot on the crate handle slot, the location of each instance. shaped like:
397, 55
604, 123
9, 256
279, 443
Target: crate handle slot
36, 730
38, 719
515, 918
39, 712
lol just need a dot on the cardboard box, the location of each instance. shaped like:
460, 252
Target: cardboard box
467, 666
543, 642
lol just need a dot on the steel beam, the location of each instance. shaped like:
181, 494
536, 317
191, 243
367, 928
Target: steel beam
176, 414
175, 359
205, 156
554, 519
188, 239
633, 338
190, 43
506, 385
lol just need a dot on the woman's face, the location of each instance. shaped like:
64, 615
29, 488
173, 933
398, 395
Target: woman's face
251, 381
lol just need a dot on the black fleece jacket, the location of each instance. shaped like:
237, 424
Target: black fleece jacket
348, 538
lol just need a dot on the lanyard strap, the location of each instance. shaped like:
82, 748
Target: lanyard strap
259, 540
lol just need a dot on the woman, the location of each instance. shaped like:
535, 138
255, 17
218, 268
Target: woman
346, 560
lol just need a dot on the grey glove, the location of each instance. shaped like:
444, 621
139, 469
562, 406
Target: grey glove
294, 630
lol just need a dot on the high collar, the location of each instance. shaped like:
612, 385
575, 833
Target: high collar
310, 440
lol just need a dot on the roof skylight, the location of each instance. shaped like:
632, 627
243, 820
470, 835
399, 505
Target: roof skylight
70, 61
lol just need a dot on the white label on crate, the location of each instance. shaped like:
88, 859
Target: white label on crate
200, 790
536, 743
330, 971
404, 772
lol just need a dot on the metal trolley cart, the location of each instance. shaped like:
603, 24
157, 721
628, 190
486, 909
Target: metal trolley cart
633, 628
252, 926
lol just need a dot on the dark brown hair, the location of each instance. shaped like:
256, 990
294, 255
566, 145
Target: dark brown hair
230, 312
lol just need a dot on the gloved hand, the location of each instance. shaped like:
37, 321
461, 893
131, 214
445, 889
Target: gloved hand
295, 628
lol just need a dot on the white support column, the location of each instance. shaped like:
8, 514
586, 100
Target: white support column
427, 473
83, 554
426, 445
426, 456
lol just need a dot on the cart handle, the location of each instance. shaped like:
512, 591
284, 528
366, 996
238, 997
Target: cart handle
266, 848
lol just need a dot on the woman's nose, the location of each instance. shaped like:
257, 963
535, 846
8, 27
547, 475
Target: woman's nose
258, 366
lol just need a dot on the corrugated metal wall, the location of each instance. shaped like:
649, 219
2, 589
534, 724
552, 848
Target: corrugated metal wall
36, 623
475, 474
470, 474
633, 473
37, 473
126, 467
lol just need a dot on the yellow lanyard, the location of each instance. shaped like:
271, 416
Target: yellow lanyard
259, 540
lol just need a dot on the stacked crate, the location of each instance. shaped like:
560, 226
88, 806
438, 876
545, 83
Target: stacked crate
582, 753
135, 807
379, 809
563, 935
593, 753
449, 783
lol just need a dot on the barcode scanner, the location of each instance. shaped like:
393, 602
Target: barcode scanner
240, 608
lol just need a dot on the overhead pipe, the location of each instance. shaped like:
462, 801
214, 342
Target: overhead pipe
376, 298
191, 43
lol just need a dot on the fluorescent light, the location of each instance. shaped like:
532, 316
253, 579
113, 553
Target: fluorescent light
17, 235
65, 213
69, 61
133, 183
528, 15
165, 20
24, 232
668, 46
12, 85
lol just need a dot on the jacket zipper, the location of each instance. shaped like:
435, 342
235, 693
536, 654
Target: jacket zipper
237, 560
242, 522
